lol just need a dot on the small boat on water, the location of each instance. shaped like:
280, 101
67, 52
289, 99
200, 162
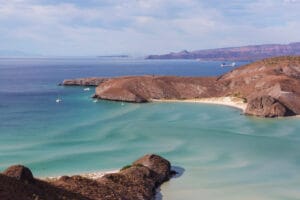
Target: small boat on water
58, 100
86, 89
228, 65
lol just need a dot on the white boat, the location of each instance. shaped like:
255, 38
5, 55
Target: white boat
95, 101
86, 89
228, 65
58, 100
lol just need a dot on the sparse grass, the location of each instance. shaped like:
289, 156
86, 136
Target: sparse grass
139, 165
237, 94
126, 167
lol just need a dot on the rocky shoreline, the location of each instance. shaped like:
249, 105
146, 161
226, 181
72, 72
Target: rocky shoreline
269, 87
139, 181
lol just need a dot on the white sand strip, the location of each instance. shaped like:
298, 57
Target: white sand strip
226, 101
91, 175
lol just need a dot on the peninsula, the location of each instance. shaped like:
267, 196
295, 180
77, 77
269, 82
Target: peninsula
244, 53
266, 88
137, 181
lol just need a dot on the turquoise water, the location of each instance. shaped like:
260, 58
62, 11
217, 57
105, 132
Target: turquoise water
224, 154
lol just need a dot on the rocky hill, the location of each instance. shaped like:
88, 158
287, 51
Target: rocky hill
137, 181
245, 53
270, 87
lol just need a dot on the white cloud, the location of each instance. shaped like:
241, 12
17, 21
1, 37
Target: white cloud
291, 1
147, 26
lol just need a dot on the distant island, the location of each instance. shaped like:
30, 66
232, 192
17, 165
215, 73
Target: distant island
244, 53
113, 56
266, 88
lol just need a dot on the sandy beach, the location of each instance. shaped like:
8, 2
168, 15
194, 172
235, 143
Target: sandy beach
226, 101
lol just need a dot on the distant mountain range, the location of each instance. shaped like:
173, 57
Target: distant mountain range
244, 53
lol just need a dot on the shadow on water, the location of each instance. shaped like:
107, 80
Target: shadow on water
178, 172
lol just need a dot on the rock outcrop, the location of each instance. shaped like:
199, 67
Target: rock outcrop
161, 168
267, 106
137, 181
84, 81
270, 86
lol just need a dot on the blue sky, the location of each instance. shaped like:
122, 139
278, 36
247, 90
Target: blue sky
141, 27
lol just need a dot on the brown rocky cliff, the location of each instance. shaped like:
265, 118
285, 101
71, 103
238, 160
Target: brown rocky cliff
267, 106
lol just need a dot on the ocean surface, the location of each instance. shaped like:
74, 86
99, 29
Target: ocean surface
222, 154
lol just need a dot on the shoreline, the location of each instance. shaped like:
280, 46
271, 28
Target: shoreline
233, 102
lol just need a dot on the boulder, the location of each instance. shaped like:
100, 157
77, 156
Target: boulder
160, 166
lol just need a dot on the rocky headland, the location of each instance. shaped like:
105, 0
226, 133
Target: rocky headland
245, 53
269, 87
137, 181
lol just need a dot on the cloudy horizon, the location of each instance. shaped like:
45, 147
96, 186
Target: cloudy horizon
141, 27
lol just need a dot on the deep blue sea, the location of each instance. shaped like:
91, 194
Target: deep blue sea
224, 155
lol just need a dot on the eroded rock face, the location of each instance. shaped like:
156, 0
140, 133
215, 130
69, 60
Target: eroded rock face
136, 182
19, 172
267, 106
